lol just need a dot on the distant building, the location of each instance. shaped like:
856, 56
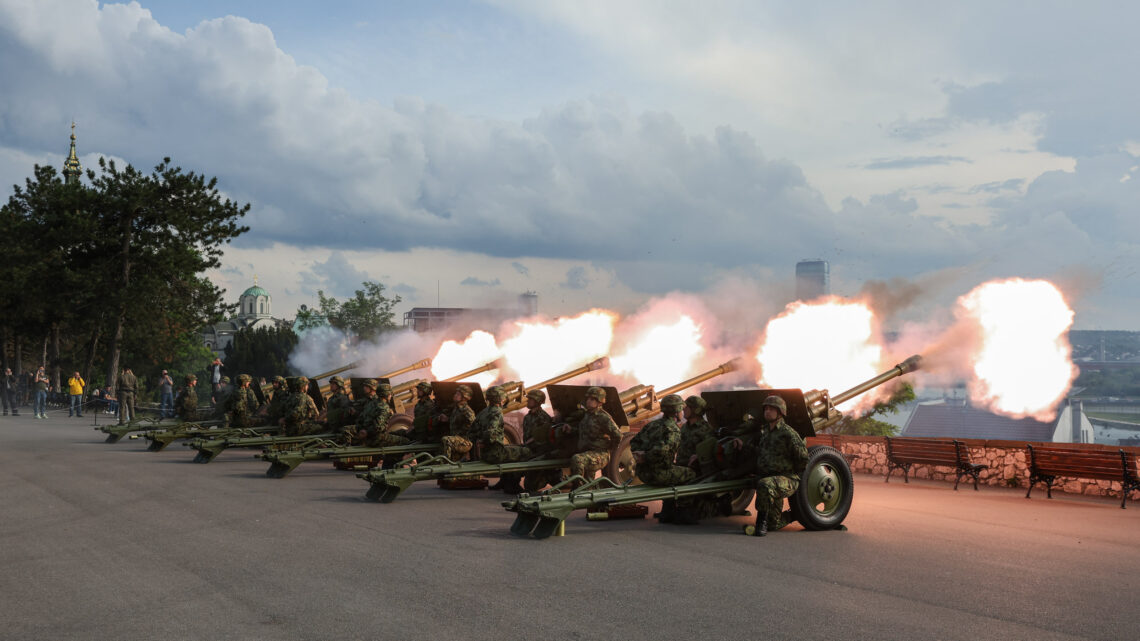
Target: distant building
813, 279
255, 310
958, 419
424, 319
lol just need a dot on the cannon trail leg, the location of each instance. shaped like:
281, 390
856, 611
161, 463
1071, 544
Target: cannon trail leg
207, 454
524, 524
281, 467
547, 526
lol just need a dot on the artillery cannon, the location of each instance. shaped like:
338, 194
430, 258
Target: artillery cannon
386, 485
822, 501
115, 433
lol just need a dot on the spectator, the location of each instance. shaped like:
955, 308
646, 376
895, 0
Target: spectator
128, 385
216, 373
166, 387
39, 409
112, 402
75, 386
9, 391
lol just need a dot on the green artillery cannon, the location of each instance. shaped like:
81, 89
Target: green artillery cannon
282, 463
116, 432
209, 448
826, 487
160, 439
637, 403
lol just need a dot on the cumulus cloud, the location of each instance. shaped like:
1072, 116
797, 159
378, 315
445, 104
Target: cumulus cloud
336, 277
472, 281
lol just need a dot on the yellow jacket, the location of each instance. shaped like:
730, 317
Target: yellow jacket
75, 385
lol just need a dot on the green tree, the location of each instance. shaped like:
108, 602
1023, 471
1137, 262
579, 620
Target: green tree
367, 314
866, 424
260, 352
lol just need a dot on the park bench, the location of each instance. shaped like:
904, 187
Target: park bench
1046, 463
905, 452
832, 441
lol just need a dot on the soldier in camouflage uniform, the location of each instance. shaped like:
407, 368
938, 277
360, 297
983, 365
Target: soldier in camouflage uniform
781, 457
597, 436
241, 404
488, 433
458, 443
278, 399
543, 440
695, 431
372, 425
423, 416
339, 412
300, 413
655, 447
186, 405
219, 399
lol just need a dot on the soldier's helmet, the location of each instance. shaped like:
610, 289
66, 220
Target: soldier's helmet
697, 404
672, 403
302, 381
338, 381
776, 402
384, 389
370, 383
464, 391
423, 387
190, 378
225, 380
244, 378
494, 395
597, 394
279, 380
537, 395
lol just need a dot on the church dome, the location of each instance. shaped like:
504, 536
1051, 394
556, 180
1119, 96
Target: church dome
256, 290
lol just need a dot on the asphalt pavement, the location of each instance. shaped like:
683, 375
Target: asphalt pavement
110, 541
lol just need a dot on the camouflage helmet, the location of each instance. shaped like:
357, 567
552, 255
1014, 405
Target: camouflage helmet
464, 391
302, 381
672, 403
423, 387
279, 380
697, 404
225, 380
338, 381
537, 396
244, 378
191, 378
494, 395
776, 402
384, 389
369, 382
596, 393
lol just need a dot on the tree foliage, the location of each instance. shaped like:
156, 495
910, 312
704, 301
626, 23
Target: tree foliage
866, 424
366, 315
262, 352
113, 268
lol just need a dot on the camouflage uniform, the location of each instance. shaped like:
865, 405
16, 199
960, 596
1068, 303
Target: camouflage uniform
220, 398
543, 440
458, 444
695, 431
422, 416
487, 431
597, 436
781, 459
186, 405
278, 401
300, 412
241, 404
659, 441
374, 420
338, 409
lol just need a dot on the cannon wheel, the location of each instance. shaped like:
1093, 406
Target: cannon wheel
826, 490
400, 422
512, 431
621, 467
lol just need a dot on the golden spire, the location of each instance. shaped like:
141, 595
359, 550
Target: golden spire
71, 167
255, 280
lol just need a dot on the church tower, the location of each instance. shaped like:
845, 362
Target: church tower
71, 167
255, 302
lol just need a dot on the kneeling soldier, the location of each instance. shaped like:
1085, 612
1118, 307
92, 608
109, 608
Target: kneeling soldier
781, 457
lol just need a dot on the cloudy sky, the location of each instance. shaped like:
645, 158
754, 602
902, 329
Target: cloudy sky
601, 153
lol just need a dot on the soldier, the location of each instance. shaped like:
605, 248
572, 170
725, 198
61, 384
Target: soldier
128, 385
278, 400
221, 393
597, 436
372, 425
241, 404
186, 405
339, 412
781, 457
540, 436
695, 431
487, 431
8, 392
457, 444
300, 412
422, 416
655, 447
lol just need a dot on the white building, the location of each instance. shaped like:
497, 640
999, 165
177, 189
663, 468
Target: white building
255, 310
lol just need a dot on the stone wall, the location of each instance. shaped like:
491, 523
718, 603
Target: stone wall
1007, 461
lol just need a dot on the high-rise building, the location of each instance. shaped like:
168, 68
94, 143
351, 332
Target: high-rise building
813, 279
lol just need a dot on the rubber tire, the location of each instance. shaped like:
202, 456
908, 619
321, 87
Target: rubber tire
826, 465
621, 467
512, 431
400, 422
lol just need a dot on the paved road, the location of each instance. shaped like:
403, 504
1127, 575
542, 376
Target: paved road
108, 541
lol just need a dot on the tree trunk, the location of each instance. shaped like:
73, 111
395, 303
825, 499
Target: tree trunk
18, 355
121, 317
4, 334
53, 357
89, 365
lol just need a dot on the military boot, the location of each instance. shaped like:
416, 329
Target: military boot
761, 526
668, 511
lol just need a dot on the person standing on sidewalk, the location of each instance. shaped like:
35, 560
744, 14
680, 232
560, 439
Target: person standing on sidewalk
166, 387
41, 385
128, 385
9, 390
75, 386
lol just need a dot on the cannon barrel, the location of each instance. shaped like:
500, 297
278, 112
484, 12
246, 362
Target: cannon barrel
403, 370
725, 368
517, 393
478, 370
821, 407
642, 404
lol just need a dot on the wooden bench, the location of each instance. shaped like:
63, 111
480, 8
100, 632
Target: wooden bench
904, 452
1047, 462
832, 441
